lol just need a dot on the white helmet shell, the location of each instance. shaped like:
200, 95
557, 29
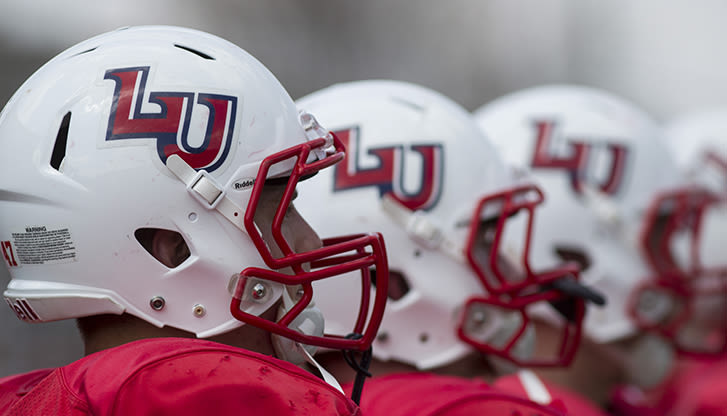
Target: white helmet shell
94, 146
417, 167
599, 160
699, 143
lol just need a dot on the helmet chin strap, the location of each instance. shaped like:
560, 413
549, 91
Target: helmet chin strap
360, 366
205, 189
534, 387
421, 228
310, 322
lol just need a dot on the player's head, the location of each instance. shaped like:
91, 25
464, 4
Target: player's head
612, 186
418, 169
150, 171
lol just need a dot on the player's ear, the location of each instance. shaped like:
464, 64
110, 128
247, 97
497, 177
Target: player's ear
169, 247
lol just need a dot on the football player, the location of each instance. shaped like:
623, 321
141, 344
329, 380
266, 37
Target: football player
146, 189
418, 169
619, 206
698, 142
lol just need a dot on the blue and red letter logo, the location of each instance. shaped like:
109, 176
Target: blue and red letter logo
387, 174
580, 162
127, 121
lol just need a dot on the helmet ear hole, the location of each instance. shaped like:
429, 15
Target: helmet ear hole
573, 254
398, 285
167, 246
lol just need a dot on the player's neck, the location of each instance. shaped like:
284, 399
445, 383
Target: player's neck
108, 331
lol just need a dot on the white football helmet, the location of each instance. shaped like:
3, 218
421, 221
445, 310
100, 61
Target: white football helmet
611, 184
699, 143
173, 129
419, 170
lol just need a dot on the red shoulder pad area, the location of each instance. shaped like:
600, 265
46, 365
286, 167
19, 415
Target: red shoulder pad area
426, 394
172, 376
695, 387
13, 388
569, 401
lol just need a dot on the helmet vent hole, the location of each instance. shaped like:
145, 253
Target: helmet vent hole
194, 51
85, 52
59, 148
167, 246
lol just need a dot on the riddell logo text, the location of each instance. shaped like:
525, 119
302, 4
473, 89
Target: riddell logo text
244, 184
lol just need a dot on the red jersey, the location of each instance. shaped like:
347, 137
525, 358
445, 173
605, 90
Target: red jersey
695, 388
172, 376
576, 404
426, 394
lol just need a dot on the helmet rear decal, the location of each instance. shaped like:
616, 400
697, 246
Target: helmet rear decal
8, 253
127, 121
22, 309
580, 161
388, 175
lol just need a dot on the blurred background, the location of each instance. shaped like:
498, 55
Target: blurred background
667, 57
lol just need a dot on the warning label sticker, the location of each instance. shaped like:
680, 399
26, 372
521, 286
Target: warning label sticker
44, 245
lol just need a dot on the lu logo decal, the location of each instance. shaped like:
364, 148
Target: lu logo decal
387, 174
580, 160
127, 121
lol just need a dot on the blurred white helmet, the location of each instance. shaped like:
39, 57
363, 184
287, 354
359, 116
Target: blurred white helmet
162, 128
698, 141
611, 183
419, 170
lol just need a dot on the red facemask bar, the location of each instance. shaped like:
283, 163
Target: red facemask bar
513, 290
670, 215
693, 319
718, 164
338, 256
505, 328
686, 301
500, 207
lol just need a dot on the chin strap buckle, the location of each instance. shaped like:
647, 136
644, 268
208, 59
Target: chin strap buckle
205, 189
